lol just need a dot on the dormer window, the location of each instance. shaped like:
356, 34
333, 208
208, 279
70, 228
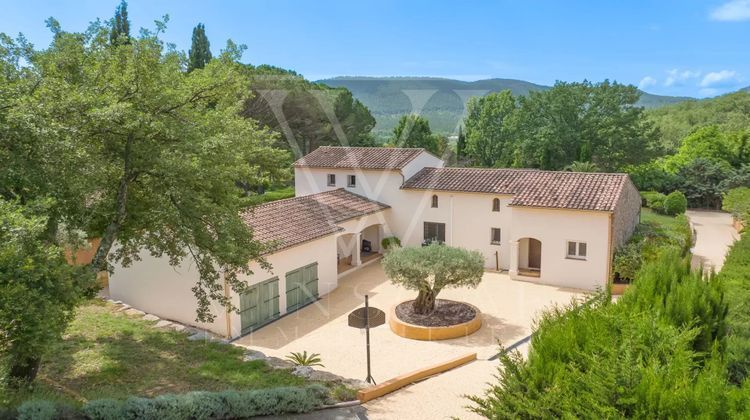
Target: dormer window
495, 204
434, 201
331, 180
351, 181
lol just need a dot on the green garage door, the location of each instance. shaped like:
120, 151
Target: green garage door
259, 305
301, 287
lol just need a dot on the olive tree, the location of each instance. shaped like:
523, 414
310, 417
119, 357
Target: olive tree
432, 268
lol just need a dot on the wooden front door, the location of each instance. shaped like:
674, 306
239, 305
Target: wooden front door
535, 254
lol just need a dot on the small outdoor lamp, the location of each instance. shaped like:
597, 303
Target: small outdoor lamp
367, 318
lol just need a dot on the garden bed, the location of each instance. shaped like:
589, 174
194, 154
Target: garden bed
450, 319
446, 313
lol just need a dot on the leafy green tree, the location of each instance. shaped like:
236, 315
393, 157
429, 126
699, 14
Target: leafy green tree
137, 151
120, 28
430, 269
200, 50
490, 131
571, 122
701, 181
708, 143
652, 176
39, 290
582, 167
414, 131
737, 202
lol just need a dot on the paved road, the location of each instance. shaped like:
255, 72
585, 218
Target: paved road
714, 235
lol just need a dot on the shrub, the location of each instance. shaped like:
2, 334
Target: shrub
675, 203
38, 410
304, 359
737, 202
104, 409
390, 242
654, 200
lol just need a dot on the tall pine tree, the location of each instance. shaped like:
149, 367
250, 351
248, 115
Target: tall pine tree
120, 32
200, 50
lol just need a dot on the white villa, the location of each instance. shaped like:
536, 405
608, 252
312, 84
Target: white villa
555, 228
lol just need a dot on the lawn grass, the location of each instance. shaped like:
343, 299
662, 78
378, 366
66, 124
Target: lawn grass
107, 354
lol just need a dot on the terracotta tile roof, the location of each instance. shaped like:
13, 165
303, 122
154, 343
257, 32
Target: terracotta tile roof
529, 187
300, 219
358, 157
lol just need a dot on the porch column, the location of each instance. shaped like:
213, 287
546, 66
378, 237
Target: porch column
356, 257
513, 271
381, 235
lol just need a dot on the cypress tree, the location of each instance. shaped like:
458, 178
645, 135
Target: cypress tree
461, 144
120, 33
200, 51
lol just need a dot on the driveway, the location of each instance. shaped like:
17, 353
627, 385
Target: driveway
714, 235
508, 310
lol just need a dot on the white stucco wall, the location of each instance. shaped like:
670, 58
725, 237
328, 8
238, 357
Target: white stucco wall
554, 228
153, 286
468, 219
423, 160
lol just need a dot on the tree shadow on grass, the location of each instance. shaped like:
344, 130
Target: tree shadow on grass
130, 357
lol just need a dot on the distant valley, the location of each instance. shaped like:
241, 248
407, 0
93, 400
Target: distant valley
442, 100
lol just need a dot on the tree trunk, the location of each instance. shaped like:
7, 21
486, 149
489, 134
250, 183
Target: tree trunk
424, 304
23, 371
98, 263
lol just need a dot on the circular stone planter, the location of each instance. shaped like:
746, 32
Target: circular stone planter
419, 332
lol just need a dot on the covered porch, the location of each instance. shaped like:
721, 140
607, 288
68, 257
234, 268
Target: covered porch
356, 249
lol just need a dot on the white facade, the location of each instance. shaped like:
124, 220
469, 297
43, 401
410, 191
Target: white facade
532, 243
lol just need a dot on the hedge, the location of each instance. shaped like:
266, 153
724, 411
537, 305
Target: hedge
656, 353
194, 405
735, 275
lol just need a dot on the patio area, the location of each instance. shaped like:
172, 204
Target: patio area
508, 310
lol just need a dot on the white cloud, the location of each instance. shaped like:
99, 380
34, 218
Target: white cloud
646, 82
679, 77
719, 79
733, 10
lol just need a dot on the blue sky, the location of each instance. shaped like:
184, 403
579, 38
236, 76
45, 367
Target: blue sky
671, 47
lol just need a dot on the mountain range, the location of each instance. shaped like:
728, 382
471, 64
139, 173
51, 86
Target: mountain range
442, 101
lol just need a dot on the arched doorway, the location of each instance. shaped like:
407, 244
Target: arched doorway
529, 257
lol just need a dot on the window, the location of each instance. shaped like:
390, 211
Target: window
434, 201
495, 204
331, 180
434, 232
495, 238
351, 181
577, 250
